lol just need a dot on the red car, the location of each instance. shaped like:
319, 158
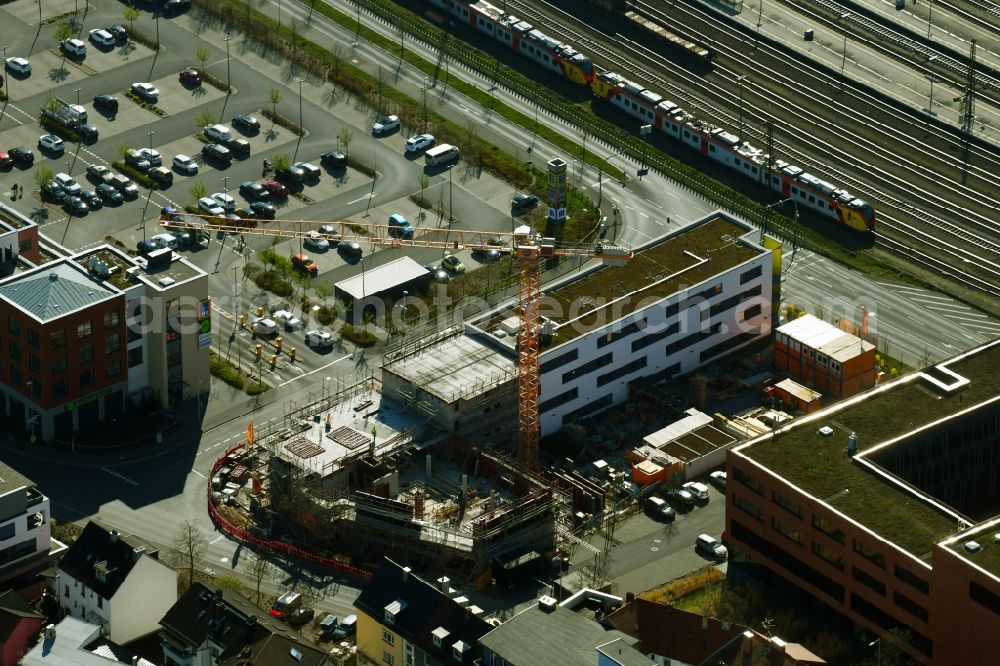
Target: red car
274, 188
303, 263
6, 161
191, 76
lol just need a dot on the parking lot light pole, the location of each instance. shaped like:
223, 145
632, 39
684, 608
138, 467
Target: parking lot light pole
301, 126
78, 96
150, 135
225, 185
229, 85
843, 61
600, 179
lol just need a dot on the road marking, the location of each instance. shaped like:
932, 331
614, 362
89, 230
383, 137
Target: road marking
367, 196
316, 370
199, 473
120, 476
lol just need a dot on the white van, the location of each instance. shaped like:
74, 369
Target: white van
660, 509
699, 490
442, 154
710, 546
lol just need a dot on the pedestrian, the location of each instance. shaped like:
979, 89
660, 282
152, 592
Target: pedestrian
20, 191
13, 191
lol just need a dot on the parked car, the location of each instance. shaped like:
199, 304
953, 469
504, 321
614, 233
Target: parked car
174, 7
240, 148
301, 616
146, 245
350, 249
453, 264
218, 133
320, 340
102, 38
134, 159
225, 200
216, 153
166, 240
710, 546
52, 192
329, 623
333, 159
274, 188
302, 262
124, 185
152, 155
50, 142
75, 206
6, 161
66, 182
291, 175
419, 142
18, 65
74, 48
185, 165
190, 77
106, 104
99, 172
253, 191
109, 194
246, 123
119, 32
315, 241
146, 91
309, 171
287, 320
92, 199
385, 125
682, 498
346, 627
331, 234
523, 201
210, 206
267, 326
263, 210
718, 479
22, 155
87, 133
659, 508
699, 490
162, 175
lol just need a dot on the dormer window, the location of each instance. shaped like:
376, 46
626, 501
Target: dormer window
458, 650
438, 636
393, 609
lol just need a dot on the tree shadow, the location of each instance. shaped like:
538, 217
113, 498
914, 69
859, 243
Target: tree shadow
271, 134
126, 50
331, 99
59, 74
40, 214
198, 92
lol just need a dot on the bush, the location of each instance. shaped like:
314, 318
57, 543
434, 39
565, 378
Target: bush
272, 282
326, 315
59, 129
279, 119
146, 105
361, 166
358, 336
135, 175
225, 371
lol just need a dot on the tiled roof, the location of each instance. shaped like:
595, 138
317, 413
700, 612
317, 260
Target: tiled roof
100, 559
242, 630
420, 610
14, 609
54, 291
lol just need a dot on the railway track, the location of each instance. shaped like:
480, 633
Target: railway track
991, 20
962, 256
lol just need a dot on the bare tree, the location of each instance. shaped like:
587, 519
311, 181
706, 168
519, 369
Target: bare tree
189, 544
259, 569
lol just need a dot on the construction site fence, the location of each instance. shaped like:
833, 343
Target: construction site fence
272, 546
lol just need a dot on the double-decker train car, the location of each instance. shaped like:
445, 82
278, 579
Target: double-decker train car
730, 150
522, 37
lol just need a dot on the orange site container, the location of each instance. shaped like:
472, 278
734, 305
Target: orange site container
648, 472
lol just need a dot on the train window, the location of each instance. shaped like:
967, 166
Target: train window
736, 161
754, 169
711, 149
812, 199
795, 190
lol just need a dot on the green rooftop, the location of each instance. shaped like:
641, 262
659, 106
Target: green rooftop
988, 555
681, 261
819, 466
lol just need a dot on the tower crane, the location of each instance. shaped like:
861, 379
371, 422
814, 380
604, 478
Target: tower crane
528, 246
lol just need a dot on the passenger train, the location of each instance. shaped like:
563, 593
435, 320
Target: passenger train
651, 108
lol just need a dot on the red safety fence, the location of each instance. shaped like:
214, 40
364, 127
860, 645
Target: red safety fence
270, 545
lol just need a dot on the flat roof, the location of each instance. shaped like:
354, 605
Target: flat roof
391, 275
54, 290
987, 537
455, 368
160, 276
826, 338
880, 417
662, 268
11, 479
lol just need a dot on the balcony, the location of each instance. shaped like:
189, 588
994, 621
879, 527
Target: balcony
34, 497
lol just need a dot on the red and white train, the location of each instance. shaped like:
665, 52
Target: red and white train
522, 37
728, 149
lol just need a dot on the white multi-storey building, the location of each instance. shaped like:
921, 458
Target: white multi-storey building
105, 580
25, 532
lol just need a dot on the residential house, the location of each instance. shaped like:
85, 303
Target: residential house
115, 582
404, 620
26, 545
551, 633
222, 628
74, 642
19, 626
670, 635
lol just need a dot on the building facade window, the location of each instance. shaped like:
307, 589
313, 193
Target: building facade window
785, 503
910, 606
984, 597
388, 637
113, 368
747, 506
748, 481
787, 531
60, 388
58, 363
873, 556
623, 332
87, 378
388, 657
134, 357
34, 363
112, 343
754, 272
110, 319
15, 350
557, 401
13, 325
827, 555
868, 580
33, 338
827, 528
650, 338
624, 370
586, 368
15, 376
914, 581
57, 339
84, 329
86, 353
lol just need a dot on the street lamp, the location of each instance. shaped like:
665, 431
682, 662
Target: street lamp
600, 179
740, 80
150, 135
229, 86
78, 96
877, 643
930, 13
645, 131
225, 186
843, 61
300, 105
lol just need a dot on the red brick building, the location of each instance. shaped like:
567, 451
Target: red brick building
883, 509
823, 357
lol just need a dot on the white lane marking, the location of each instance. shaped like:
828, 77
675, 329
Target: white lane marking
316, 370
367, 196
120, 476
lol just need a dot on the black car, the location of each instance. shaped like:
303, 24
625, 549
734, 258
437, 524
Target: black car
118, 32
240, 148
171, 7
106, 104
146, 246
290, 175
87, 133
253, 191
76, 206
245, 213
109, 193
301, 616
333, 159
52, 192
350, 248
263, 210
92, 199
217, 153
22, 155
523, 201
246, 124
